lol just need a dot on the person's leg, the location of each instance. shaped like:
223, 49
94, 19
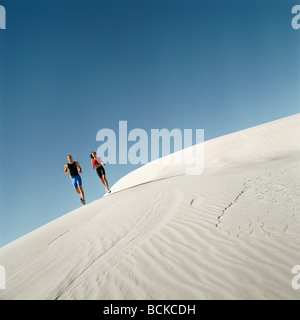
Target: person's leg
77, 190
107, 186
75, 184
105, 182
100, 174
80, 191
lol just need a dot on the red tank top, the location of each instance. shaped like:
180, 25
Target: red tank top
95, 162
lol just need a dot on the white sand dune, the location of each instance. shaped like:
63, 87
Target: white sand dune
232, 232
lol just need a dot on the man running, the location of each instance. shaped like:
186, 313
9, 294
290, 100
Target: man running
72, 168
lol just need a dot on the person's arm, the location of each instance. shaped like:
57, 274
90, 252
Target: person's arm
100, 161
78, 165
66, 170
93, 164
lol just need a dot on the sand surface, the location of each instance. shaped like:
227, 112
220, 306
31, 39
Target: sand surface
232, 232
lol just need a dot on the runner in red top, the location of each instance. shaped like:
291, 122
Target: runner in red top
98, 164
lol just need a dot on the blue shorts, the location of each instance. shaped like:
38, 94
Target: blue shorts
76, 181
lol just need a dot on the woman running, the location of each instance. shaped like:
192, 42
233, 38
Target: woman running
98, 164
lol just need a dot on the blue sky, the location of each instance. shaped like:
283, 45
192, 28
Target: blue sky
70, 68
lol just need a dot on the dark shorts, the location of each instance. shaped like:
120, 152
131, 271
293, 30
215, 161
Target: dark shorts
100, 171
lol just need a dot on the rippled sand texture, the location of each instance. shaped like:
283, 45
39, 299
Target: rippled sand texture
232, 232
